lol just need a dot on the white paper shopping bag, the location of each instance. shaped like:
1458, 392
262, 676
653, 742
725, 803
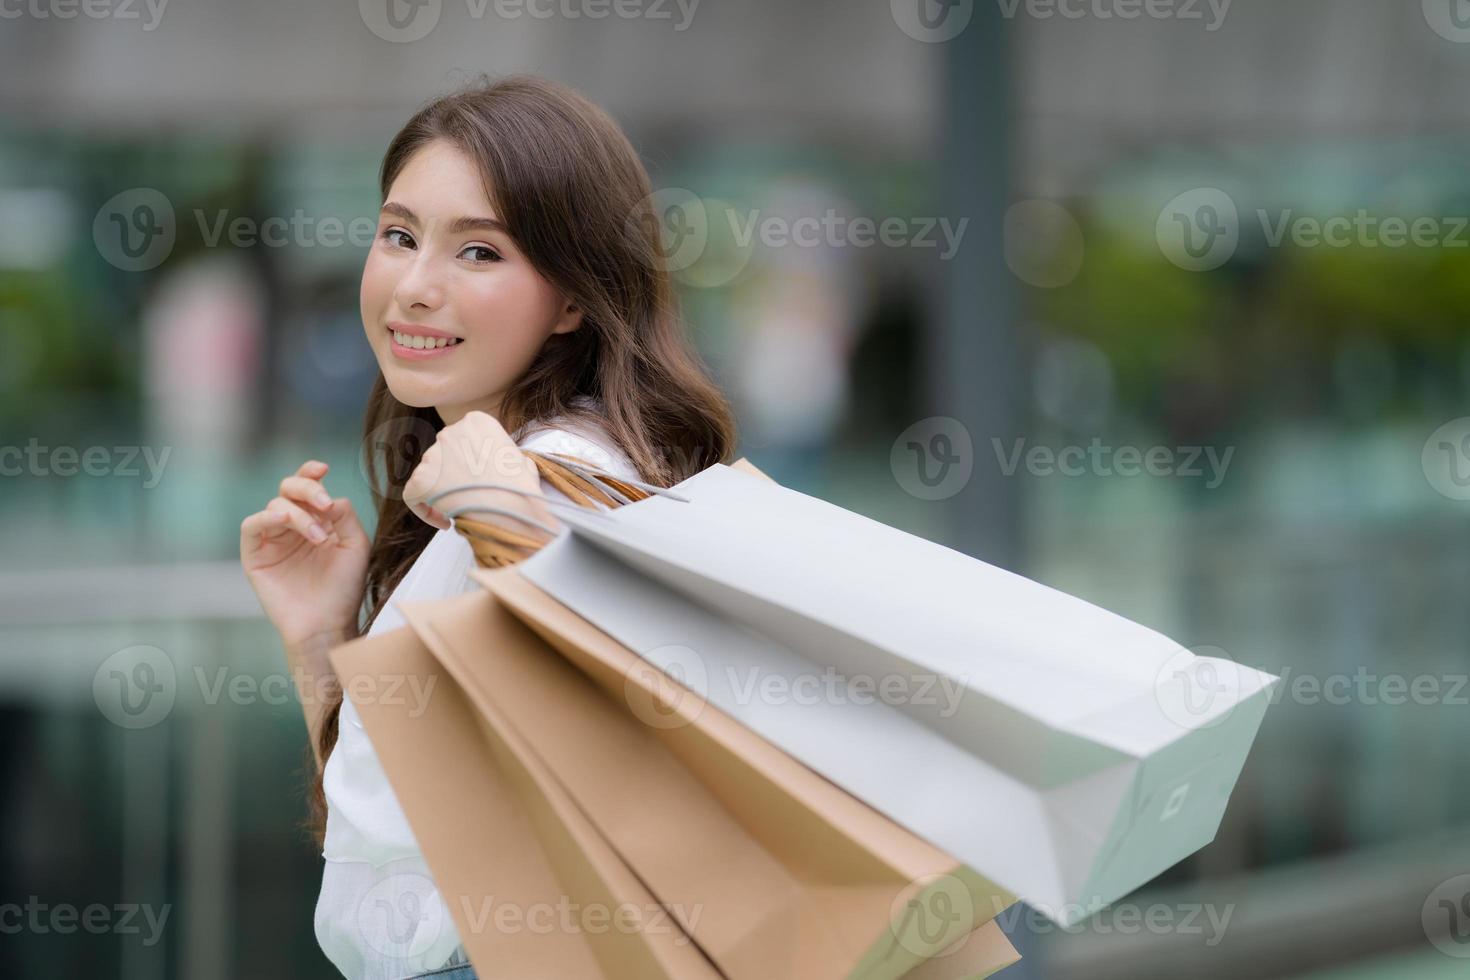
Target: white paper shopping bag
1061, 750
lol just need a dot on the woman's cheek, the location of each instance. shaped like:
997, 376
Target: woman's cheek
377, 289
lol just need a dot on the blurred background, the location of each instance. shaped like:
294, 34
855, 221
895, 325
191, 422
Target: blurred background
1162, 303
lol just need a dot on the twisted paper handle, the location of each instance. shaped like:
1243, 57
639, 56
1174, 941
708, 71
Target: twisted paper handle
586, 486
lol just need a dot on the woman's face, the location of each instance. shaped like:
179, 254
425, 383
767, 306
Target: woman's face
442, 267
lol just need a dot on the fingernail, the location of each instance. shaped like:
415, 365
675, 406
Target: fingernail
323, 500
316, 533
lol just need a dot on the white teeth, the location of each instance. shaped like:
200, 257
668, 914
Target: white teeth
418, 342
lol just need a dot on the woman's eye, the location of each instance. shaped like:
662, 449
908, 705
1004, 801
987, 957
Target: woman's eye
481, 253
388, 236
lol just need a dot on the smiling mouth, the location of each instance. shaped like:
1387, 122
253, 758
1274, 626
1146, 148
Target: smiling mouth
409, 341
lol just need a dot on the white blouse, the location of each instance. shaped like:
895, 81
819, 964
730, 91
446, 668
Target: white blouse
379, 915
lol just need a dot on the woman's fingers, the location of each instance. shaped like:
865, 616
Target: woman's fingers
264, 524
299, 520
307, 491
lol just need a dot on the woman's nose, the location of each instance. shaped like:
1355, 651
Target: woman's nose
420, 285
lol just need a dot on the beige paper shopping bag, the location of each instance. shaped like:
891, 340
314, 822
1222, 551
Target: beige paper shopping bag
789, 876
488, 849
499, 836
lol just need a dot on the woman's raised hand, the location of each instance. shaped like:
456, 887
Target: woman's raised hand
305, 556
476, 449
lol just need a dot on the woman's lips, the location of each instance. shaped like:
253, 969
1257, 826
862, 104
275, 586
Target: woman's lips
408, 353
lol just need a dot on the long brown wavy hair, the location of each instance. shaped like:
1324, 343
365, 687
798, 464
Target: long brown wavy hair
576, 199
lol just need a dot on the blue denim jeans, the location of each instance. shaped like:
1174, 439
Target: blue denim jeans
461, 972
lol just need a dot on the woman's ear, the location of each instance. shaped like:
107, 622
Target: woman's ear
570, 319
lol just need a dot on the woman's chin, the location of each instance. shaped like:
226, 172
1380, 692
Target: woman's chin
413, 395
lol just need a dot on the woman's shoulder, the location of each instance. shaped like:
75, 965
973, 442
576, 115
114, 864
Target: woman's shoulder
585, 440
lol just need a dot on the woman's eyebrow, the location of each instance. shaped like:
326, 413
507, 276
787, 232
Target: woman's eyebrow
456, 226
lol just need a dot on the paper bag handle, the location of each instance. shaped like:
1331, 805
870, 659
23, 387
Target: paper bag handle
495, 545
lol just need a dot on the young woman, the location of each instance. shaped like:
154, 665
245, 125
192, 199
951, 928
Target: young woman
514, 300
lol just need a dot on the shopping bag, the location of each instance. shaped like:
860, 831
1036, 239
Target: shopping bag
1060, 750
850, 869
497, 829
793, 876
498, 836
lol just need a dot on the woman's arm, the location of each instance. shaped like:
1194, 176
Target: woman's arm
312, 672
